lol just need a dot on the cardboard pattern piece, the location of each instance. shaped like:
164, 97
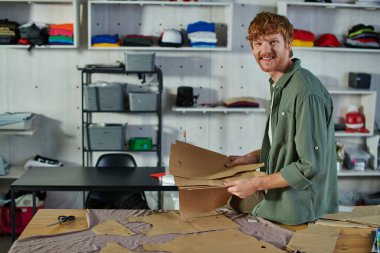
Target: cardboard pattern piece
368, 215
200, 175
222, 241
181, 182
314, 239
170, 222
193, 162
341, 224
111, 227
114, 247
200, 201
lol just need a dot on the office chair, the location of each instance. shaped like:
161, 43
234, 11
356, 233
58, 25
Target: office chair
116, 200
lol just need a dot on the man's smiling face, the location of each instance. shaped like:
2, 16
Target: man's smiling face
272, 53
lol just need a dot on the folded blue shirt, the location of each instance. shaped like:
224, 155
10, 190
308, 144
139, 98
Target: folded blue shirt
105, 38
201, 26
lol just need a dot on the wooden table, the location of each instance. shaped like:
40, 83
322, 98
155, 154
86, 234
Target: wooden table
351, 240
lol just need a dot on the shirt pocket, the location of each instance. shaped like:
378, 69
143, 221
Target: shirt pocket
285, 126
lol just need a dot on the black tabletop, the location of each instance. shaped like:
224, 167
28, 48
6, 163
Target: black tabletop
90, 179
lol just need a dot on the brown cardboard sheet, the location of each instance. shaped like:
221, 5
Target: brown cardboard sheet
314, 239
368, 215
341, 224
170, 222
181, 181
193, 162
114, 247
223, 241
198, 201
200, 175
111, 227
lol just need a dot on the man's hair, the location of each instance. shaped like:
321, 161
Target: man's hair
266, 23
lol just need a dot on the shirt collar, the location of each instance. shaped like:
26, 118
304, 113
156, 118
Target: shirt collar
286, 76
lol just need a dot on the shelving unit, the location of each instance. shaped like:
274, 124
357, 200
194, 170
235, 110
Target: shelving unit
150, 18
335, 18
346, 96
42, 11
87, 116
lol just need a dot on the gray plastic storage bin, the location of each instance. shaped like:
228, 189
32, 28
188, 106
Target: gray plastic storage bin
142, 101
107, 137
105, 97
91, 98
139, 62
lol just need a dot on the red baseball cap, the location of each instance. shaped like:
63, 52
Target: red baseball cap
328, 40
303, 35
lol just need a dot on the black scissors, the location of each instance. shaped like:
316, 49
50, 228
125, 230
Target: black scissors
63, 219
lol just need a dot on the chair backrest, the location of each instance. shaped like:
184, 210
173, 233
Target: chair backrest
116, 160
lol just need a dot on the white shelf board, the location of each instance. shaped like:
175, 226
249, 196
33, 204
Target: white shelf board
344, 134
219, 109
352, 173
39, 47
162, 48
339, 49
335, 5
30, 131
162, 3
344, 90
14, 173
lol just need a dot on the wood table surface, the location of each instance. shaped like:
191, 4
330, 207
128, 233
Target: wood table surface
351, 240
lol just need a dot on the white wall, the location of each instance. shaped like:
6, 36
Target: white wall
47, 82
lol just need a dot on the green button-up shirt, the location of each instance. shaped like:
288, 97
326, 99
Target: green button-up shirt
302, 150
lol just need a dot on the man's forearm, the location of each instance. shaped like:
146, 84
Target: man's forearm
253, 157
271, 181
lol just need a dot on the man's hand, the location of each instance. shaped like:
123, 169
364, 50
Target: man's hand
234, 160
246, 187
250, 158
243, 188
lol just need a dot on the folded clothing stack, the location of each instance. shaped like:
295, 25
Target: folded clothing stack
240, 102
61, 34
8, 32
362, 36
303, 38
105, 40
202, 34
137, 40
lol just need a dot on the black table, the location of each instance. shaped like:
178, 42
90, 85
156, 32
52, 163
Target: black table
86, 179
